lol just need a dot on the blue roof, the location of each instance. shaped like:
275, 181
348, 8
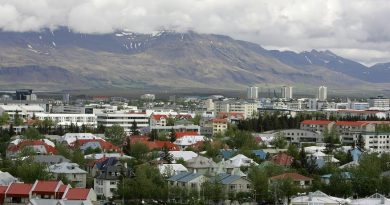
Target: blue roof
184, 177
260, 153
227, 154
226, 178
179, 176
107, 162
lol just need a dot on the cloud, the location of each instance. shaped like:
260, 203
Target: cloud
350, 28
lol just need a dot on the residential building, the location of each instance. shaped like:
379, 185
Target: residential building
158, 120
183, 155
316, 125
187, 180
322, 93
252, 93
300, 180
349, 130
123, 119
40, 147
49, 159
71, 171
68, 119
317, 197
241, 160
377, 141
297, 136
6, 179
70, 138
202, 165
189, 140
287, 93
246, 107
171, 169
107, 179
233, 183
379, 102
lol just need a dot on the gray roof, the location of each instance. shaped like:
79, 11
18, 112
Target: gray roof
201, 162
66, 168
184, 177
50, 159
227, 178
113, 172
6, 178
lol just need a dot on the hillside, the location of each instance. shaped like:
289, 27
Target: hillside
66, 60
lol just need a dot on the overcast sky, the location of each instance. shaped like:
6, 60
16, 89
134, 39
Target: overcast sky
357, 29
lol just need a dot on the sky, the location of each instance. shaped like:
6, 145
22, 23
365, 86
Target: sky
356, 29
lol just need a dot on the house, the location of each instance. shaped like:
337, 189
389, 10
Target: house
299, 180
233, 183
282, 159
241, 160
321, 159
232, 117
326, 178
184, 155
18, 193
6, 179
50, 159
349, 130
355, 152
94, 144
317, 197
202, 165
373, 199
70, 138
155, 144
80, 194
58, 202
187, 180
158, 120
186, 141
107, 179
103, 155
171, 169
40, 147
71, 171
96, 166
260, 154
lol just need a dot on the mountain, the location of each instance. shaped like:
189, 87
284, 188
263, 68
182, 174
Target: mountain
62, 59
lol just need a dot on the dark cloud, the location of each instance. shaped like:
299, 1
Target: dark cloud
357, 29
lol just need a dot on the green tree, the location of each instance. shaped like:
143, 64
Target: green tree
279, 140
213, 191
28, 171
284, 188
172, 136
170, 121
153, 135
32, 133
259, 181
78, 157
115, 134
196, 119
17, 119
331, 138
166, 156
138, 150
4, 118
134, 128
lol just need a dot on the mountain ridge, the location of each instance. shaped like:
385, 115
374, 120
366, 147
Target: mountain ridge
171, 59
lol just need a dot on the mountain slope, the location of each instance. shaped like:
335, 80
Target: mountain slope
165, 59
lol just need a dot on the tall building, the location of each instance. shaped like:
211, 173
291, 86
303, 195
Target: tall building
287, 92
322, 93
252, 92
379, 101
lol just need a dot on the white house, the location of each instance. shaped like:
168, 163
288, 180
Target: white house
189, 140
71, 171
70, 138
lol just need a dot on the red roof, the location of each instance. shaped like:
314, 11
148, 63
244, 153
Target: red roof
104, 144
351, 123
161, 144
216, 120
282, 159
182, 134
292, 176
378, 122
316, 122
2, 193
158, 117
187, 116
24, 143
19, 190
46, 187
228, 114
77, 194
61, 191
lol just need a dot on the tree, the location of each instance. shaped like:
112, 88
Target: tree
32, 133
4, 118
360, 142
134, 128
172, 136
153, 135
279, 140
259, 181
213, 191
170, 121
331, 138
17, 120
284, 188
196, 119
29, 171
115, 134
166, 156
138, 150
78, 157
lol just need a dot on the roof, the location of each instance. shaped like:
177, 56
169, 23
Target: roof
24, 143
282, 159
317, 197
50, 159
316, 122
103, 144
292, 176
71, 137
351, 123
373, 199
184, 177
216, 120
241, 160
46, 186
67, 168
159, 117
6, 178
200, 162
185, 155
59, 202
226, 178
19, 189
77, 194
182, 134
